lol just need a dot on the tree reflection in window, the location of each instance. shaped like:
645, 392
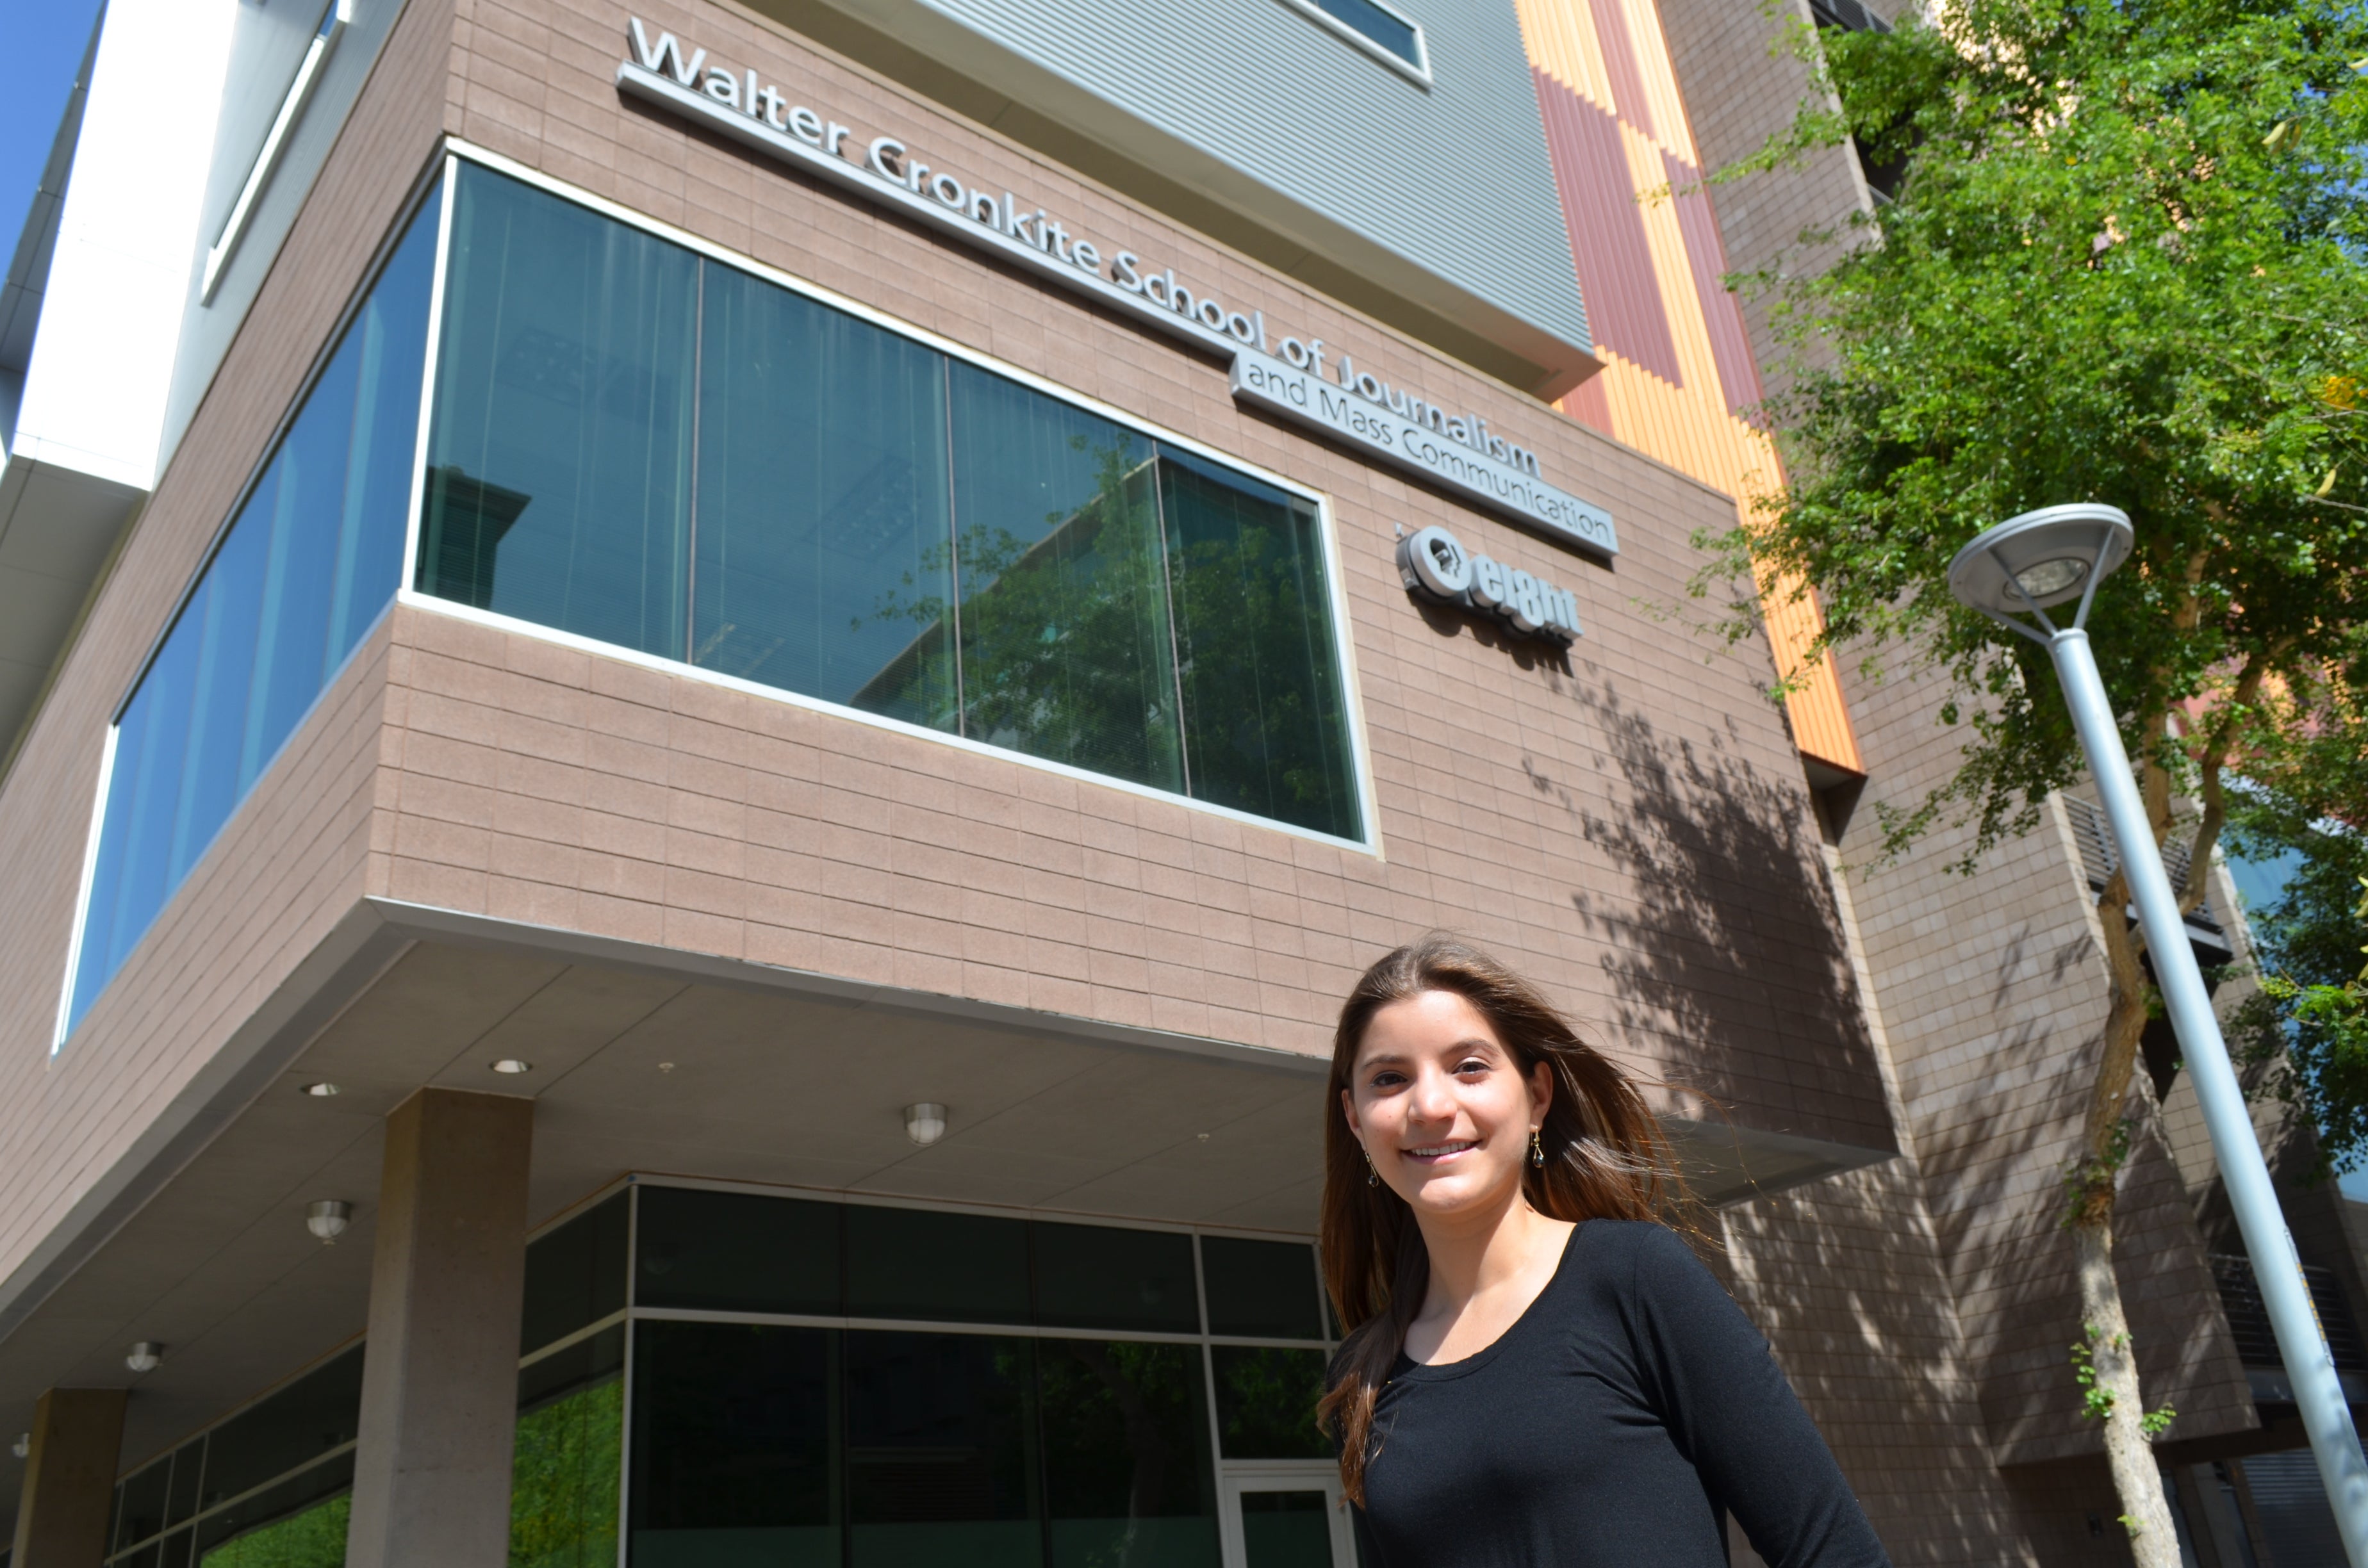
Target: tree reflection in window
870, 522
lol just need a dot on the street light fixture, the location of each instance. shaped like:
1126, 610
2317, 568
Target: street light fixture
2023, 568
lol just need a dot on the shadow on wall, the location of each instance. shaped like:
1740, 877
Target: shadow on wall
2070, 1513
1528, 654
1730, 959
2000, 1124
2018, 1102
1843, 1278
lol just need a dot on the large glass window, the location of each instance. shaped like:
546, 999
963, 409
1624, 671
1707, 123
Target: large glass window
887, 1449
1261, 1290
1067, 650
735, 1446
574, 1276
312, 558
1080, 1423
823, 563
1076, 1426
1266, 1403
568, 1458
1127, 1470
942, 1462
559, 470
639, 445
1261, 680
265, 1488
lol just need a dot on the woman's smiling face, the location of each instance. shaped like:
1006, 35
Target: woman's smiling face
1442, 1108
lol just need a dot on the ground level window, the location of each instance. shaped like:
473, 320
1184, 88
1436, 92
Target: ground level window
979, 1390
885, 1447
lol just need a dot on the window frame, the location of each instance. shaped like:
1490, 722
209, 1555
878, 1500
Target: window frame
459, 152
1207, 1343
433, 185
118, 1552
1417, 69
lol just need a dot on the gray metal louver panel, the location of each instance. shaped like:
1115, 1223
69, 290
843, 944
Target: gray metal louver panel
1453, 177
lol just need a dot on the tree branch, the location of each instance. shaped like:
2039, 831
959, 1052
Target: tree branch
2212, 764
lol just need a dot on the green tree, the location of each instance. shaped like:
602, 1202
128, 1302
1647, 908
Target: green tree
2305, 808
2122, 264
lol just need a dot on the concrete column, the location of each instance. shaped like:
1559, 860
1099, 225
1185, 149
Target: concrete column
69, 1498
439, 1378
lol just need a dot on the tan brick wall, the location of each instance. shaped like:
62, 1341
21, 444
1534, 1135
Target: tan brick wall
1993, 994
1628, 824
294, 859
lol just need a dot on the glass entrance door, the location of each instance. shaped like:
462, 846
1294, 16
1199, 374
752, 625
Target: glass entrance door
1286, 1516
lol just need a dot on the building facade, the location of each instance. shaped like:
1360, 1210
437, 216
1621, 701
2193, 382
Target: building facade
706, 702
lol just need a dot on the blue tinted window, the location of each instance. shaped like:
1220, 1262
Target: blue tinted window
825, 561
558, 467
1387, 29
636, 444
305, 568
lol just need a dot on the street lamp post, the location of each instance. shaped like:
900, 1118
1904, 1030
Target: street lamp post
2020, 568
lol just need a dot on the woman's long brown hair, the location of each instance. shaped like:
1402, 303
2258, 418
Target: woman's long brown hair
1605, 1157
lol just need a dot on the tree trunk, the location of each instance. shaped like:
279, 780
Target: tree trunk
2145, 1513
2091, 1188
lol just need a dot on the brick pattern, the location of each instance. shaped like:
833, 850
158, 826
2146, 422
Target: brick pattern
1924, 1307
291, 860
1626, 823
1993, 995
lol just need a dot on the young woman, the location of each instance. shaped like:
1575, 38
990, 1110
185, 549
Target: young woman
1536, 1373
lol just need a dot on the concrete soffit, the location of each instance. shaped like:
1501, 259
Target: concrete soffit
373, 937
912, 43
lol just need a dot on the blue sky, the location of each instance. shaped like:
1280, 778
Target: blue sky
47, 38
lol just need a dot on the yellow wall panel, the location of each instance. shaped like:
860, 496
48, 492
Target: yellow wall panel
1601, 49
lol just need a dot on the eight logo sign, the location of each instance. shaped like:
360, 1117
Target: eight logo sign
1435, 565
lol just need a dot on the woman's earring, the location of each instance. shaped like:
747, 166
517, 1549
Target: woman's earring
1537, 1150
1372, 1176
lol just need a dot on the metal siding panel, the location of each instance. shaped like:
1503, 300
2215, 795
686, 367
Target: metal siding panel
1628, 98
1607, 230
1454, 178
1730, 347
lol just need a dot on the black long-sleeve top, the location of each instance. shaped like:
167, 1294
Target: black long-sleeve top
1616, 1422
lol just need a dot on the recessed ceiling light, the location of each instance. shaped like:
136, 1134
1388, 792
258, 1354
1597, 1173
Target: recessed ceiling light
146, 1357
328, 1218
511, 1065
319, 1091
